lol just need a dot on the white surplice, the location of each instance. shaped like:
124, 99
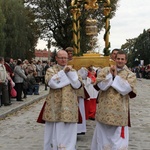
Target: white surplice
108, 137
81, 127
60, 136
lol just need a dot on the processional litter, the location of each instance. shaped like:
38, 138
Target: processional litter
89, 59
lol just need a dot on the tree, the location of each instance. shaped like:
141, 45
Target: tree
20, 29
142, 46
2, 34
56, 20
128, 47
138, 49
32, 33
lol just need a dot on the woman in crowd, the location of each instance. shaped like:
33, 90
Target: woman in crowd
19, 77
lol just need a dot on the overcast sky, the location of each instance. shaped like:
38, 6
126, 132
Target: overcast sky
132, 17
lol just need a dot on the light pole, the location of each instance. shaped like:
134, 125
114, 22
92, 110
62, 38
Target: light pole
49, 46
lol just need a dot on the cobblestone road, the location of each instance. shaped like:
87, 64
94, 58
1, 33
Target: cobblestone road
20, 131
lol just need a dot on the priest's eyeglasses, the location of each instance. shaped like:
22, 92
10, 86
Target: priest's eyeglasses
62, 58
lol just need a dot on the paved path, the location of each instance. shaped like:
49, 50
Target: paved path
140, 117
19, 130
17, 105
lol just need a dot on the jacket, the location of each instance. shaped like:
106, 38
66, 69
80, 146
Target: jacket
19, 75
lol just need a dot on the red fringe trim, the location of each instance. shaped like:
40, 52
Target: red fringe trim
122, 133
39, 119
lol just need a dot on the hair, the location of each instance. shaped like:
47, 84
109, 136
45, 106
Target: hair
7, 59
123, 53
69, 49
90, 68
19, 62
31, 61
116, 49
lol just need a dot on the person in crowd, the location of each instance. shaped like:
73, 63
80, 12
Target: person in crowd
10, 74
61, 113
25, 66
25, 85
31, 67
117, 83
39, 70
142, 71
12, 64
33, 86
4, 78
19, 77
92, 93
137, 71
147, 71
48, 65
8, 67
44, 63
69, 50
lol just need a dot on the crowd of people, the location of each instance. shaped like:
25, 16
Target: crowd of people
20, 78
142, 71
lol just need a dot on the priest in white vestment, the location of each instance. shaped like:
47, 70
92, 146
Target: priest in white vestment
117, 85
61, 109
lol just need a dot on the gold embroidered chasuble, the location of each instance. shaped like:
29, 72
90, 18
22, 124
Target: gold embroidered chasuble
113, 108
61, 104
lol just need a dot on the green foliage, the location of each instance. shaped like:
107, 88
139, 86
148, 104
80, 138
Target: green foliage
20, 29
138, 49
2, 34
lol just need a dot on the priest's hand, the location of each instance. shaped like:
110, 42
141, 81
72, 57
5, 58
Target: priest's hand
67, 68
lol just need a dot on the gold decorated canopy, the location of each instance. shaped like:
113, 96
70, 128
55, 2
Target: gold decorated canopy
91, 59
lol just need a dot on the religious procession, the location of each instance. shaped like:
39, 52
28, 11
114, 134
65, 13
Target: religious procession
77, 98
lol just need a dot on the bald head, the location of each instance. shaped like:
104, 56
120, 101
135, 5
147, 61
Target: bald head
60, 52
62, 57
